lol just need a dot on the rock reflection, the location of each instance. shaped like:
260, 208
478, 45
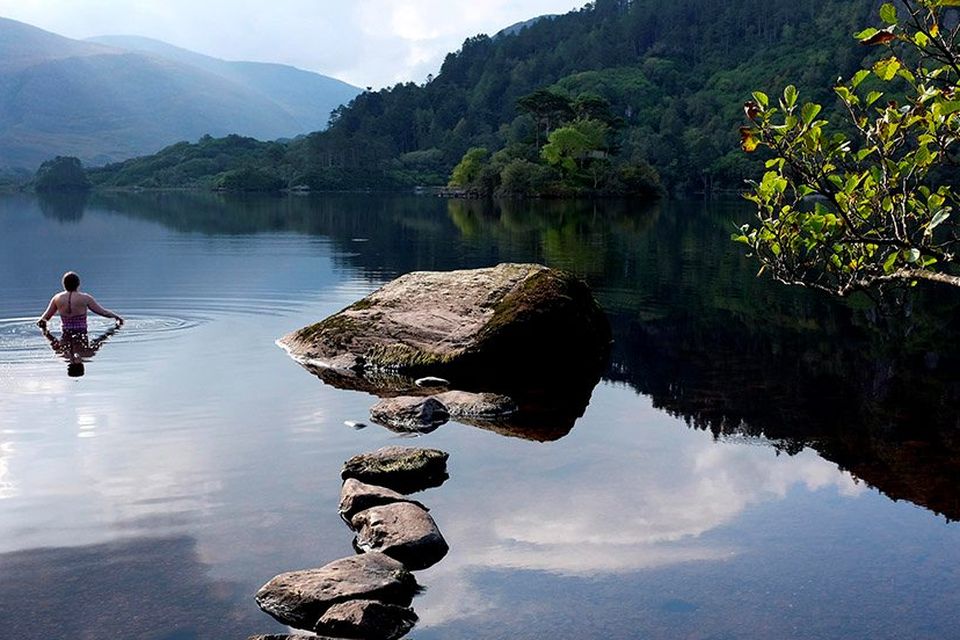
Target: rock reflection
548, 406
147, 588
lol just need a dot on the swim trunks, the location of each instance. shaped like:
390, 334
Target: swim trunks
75, 324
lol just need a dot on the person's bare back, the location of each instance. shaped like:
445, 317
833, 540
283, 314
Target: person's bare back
72, 305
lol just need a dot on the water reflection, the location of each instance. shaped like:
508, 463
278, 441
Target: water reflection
76, 348
549, 401
628, 525
154, 589
694, 328
64, 207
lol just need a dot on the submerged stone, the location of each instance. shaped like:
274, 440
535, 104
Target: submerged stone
403, 469
482, 406
403, 531
300, 598
410, 414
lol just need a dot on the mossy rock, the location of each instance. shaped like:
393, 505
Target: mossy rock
403, 469
506, 321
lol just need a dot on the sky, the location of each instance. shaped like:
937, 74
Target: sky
365, 42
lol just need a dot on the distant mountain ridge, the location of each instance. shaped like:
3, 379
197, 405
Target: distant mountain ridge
115, 98
309, 97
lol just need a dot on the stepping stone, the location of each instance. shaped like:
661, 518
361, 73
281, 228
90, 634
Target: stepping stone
300, 598
356, 496
403, 469
403, 531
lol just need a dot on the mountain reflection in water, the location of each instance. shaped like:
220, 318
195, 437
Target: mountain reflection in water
693, 327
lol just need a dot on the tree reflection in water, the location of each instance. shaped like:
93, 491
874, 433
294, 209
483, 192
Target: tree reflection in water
694, 328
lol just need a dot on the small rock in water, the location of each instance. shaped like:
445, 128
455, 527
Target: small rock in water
367, 619
355, 425
490, 406
403, 469
356, 496
410, 414
300, 598
403, 531
430, 381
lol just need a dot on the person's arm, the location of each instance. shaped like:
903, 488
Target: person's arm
94, 306
51, 309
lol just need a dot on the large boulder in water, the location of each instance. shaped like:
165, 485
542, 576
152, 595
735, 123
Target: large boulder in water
508, 320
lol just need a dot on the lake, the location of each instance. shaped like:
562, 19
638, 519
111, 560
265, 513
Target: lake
757, 462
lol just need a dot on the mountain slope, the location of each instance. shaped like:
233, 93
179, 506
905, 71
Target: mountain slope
65, 97
308, 97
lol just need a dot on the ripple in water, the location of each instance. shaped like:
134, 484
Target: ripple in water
21, 340
145, 321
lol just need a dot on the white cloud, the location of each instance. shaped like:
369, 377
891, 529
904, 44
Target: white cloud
367, 42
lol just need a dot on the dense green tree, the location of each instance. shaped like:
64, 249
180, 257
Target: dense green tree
672, 71
467, 172
573, 147
61, 174
249, 179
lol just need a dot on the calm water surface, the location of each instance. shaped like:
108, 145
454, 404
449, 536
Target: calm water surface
756, 463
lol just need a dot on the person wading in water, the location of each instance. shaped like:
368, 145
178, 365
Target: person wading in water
72, 305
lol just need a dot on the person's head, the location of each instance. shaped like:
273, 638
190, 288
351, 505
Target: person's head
71, 281
75, 370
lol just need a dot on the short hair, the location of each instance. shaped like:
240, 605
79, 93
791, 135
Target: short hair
75, 369
71, 281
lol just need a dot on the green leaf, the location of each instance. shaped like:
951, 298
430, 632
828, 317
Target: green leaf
859, 77
939, 219
913, 255
886, 68
920, 39
790, 95
809, 112
889, 262
948, 108
761, 98
888, 13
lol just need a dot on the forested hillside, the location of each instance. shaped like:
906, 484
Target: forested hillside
674, 72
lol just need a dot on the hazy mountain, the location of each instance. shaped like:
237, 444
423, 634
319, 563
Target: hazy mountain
309, 97
103, 103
